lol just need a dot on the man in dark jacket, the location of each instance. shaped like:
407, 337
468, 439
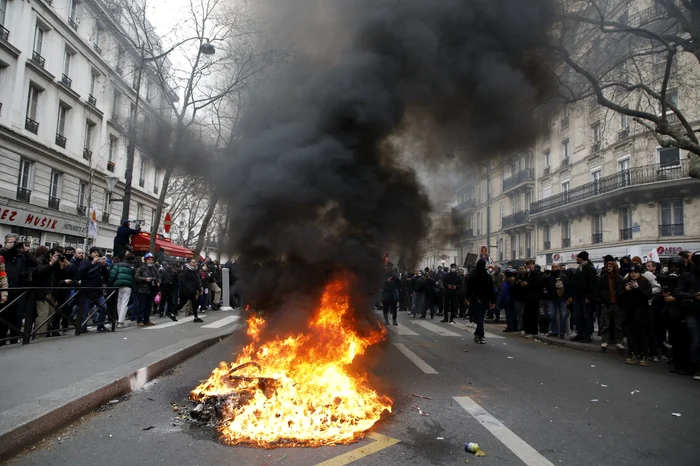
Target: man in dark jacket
637, 315
123, 237
688, 293
557, 295
677, 322
532, 290
168, 290
49, 274
480, 296
93, 274
190, 287
609, 293
146, 281
430, 294
586, 279
390, 295
625, 264
452, 283
17, 265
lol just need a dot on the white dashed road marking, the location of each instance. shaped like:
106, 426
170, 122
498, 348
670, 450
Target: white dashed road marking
422, 365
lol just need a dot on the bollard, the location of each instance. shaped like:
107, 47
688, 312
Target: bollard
225, 290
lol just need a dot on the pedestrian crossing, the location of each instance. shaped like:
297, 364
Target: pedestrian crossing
443, 330
218, 323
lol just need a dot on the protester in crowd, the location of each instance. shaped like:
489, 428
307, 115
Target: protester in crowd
390, 295
168, 290
531, 284
452, 283
625, 264
557, 285
48, 274
121, 276
190, 287
609, 293
93, 274
213, 280
659, 326
586, 279
688, 292
462, 293
146, 280
637, 315
418, 295
430, 294
480, 296
439, 275
3, 282
676, 311
123, 238
17, 266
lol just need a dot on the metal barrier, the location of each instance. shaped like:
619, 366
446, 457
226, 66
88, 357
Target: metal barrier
61, 314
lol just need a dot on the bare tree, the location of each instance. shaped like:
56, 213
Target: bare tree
639, 59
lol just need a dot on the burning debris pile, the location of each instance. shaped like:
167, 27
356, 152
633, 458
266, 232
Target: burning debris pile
298, 389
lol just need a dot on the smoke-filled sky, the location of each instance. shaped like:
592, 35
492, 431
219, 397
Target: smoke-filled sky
318, 182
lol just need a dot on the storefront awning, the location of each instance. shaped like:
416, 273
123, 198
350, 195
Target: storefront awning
142, 241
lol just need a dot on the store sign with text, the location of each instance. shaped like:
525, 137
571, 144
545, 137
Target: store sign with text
39, 221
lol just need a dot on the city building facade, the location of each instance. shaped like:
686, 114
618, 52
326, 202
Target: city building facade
67, 91
596, 180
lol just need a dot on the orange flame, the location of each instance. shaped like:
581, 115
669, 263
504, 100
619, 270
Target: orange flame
297, 390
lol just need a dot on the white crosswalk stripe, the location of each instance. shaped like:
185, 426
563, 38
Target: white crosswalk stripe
413, 357
401, 330
437, 329
221, 322
171, 324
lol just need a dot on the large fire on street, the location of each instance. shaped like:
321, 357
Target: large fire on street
298, 389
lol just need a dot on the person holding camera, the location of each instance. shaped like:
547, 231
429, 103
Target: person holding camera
17, 264
49, 274
93, 274
637, 293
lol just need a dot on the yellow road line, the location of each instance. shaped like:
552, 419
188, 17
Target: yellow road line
381, 442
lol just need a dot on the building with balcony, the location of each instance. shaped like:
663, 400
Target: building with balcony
63, 98
595, 180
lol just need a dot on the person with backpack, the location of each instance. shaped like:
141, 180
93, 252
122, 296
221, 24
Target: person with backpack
121, 275
557, 295
609, 293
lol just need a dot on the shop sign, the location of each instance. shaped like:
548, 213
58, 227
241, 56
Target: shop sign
38, 221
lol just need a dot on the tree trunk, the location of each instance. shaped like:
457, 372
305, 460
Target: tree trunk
159, 208
205, 223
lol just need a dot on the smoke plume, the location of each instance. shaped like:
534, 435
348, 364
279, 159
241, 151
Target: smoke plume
317, 184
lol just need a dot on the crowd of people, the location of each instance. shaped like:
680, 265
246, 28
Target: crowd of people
643, 308
68, 288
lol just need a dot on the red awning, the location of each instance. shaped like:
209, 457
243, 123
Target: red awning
142, 241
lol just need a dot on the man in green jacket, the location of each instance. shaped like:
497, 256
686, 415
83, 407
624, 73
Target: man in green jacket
122, 276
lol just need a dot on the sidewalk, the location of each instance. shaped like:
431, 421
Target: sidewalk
52, 382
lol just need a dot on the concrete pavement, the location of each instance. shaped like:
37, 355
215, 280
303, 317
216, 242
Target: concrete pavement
524, 402
52, 382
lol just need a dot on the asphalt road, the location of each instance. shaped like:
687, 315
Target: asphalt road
524, 402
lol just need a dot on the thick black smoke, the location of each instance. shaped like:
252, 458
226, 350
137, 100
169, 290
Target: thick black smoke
315, 183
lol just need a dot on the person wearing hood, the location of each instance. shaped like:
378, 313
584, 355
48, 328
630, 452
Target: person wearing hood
688, 293
609, 292
146, 280
430, 294
123, 237
452, 283
190, 288
168, 290
637, 315
480, 297
625, 265
122, 275
390, 295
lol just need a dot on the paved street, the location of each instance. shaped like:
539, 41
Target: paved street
524, 402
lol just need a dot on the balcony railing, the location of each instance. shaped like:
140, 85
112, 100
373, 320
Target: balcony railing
595, 147
597, 238
66, 81
631, 177
60, 140
518, 218
565, 162
564, 122
38, 59
566, 242
466, 205
4, 33
87, 154
92, 100
521, 177
72, 23
31, 125
82, 210
142, 182
625, 234
24, 194
97, 48
547, 245
547, 169
105, 217
110, 166
625, 132
671, 230
54, 202
118, 69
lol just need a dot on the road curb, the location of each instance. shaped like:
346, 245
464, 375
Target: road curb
31, 422
590, 347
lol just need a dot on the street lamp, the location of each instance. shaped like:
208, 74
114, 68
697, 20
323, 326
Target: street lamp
207, 49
